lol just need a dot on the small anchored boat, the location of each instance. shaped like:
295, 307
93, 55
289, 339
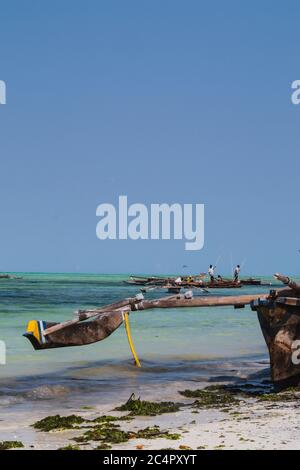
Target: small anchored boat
7, 276
159, 281
186, 282
90, 326
251, 282
146, 281
77, 334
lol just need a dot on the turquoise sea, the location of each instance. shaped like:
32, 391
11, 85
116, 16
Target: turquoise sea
177, 345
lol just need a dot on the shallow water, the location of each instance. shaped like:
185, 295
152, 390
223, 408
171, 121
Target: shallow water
174, 346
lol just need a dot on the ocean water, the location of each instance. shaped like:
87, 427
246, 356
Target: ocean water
174, 346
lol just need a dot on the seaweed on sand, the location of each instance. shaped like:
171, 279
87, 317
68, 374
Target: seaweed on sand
264, 392
138, 407
107, 419
154, 432
105, 432
112, 434
58, 422
223, 396
103, 447
211, 397
6, 445
288, 395
69, 447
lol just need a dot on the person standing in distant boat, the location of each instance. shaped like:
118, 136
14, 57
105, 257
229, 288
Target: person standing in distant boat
211, 273
236, 273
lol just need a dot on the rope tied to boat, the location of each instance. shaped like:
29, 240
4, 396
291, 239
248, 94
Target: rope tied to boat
137, 303
129, 337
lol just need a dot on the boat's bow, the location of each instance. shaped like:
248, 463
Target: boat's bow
78, 334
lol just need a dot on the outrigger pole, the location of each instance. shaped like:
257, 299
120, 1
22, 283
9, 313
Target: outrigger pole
91, 326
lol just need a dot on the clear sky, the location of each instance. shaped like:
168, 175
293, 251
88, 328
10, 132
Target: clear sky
164, 101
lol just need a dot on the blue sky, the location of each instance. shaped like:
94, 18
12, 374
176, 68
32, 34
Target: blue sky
164, 101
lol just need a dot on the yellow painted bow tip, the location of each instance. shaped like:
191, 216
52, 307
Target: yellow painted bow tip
129, 337
33, 328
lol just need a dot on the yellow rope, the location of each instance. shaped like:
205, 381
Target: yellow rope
129, 337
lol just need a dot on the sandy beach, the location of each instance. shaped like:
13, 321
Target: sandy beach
263, 421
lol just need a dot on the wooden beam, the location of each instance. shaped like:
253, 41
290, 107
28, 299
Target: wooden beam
82, 315
174, 301
288, 281
203, 301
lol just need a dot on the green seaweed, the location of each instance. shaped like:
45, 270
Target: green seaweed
211, 397
58, 422
154, 432
6, 445
69, 447
103, 447
106, 419
111, 433
105, 432
138, 407
248, 390
278, 397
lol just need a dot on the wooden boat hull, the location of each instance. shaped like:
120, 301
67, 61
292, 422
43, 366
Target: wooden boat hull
223, 285
78, 334
157, 281
280, 325
133, 282
201, 285
145, 282
220, 285
250, 282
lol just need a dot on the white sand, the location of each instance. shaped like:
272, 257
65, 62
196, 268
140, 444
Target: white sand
249, 425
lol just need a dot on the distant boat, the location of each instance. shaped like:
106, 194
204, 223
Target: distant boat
146, 281
185, 282
9, 276
250, 282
